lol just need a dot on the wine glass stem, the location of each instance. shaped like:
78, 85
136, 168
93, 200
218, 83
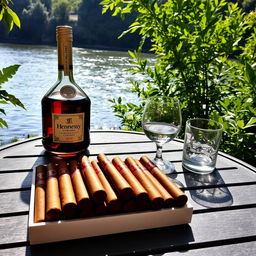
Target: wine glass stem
158, 153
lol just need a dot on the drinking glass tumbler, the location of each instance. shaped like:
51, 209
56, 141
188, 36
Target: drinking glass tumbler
201, 143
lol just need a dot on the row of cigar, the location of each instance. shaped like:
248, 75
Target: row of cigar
83, 188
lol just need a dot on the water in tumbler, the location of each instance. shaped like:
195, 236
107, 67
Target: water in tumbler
199, 157
160, 132
201, 143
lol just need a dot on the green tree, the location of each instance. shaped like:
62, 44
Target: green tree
201, 59
246, 5
60, 10
97, 30
47, 4
249, 5
20, 5
35, 20
75, 5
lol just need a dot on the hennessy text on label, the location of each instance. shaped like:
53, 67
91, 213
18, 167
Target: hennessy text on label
68, 128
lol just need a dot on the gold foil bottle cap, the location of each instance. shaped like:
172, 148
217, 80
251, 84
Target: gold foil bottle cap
64, 32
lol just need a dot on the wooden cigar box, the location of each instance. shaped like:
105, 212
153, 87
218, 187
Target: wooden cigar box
45, 232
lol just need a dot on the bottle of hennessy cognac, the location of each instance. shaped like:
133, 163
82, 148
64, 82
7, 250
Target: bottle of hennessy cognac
65, 107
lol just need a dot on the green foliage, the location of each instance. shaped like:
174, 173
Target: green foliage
10, 18
90, 30
34, 19
128, 113
72, 6
61, 11
99, 30
47, 4
8, 73
249, 5
5, 97
20, 5
202, 58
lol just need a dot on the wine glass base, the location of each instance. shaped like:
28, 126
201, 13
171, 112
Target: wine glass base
166, 166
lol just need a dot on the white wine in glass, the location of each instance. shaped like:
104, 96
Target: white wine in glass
161, 123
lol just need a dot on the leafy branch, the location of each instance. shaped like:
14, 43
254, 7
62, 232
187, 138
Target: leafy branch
204, 55
10, 18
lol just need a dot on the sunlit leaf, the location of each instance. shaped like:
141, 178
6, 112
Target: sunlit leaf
7, 73
240, 124
1, 14
250, 74
251, 122
3, 123
8, 20
14, 16
2, 111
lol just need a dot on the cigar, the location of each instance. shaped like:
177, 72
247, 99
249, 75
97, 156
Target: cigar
168, 199
93, 183
67, 195
82, 197
155, 197
100, 208
180, 199
40, 186
53, 206
141, 195
112, 201
120, 184
129, 206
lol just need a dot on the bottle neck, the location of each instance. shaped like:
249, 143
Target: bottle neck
65, 62
66, 78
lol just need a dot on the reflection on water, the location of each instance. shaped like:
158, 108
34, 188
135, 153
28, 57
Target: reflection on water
211, 197
100, 73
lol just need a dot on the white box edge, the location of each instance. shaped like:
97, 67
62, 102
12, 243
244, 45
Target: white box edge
45, 232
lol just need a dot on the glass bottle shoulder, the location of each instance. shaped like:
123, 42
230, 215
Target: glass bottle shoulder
65, 89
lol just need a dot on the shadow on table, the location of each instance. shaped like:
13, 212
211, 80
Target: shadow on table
144, 242
173, 176
211, 191
26, 183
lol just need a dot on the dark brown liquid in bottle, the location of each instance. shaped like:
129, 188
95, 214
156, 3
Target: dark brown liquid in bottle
52, 105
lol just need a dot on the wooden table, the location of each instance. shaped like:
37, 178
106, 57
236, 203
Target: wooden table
223, 221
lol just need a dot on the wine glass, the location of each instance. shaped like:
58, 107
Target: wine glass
161, 122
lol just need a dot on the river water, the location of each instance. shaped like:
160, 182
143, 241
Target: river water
101, 74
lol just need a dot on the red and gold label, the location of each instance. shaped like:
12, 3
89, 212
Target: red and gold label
68, 128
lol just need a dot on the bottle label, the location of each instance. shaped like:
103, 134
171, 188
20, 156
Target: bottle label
68, 128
